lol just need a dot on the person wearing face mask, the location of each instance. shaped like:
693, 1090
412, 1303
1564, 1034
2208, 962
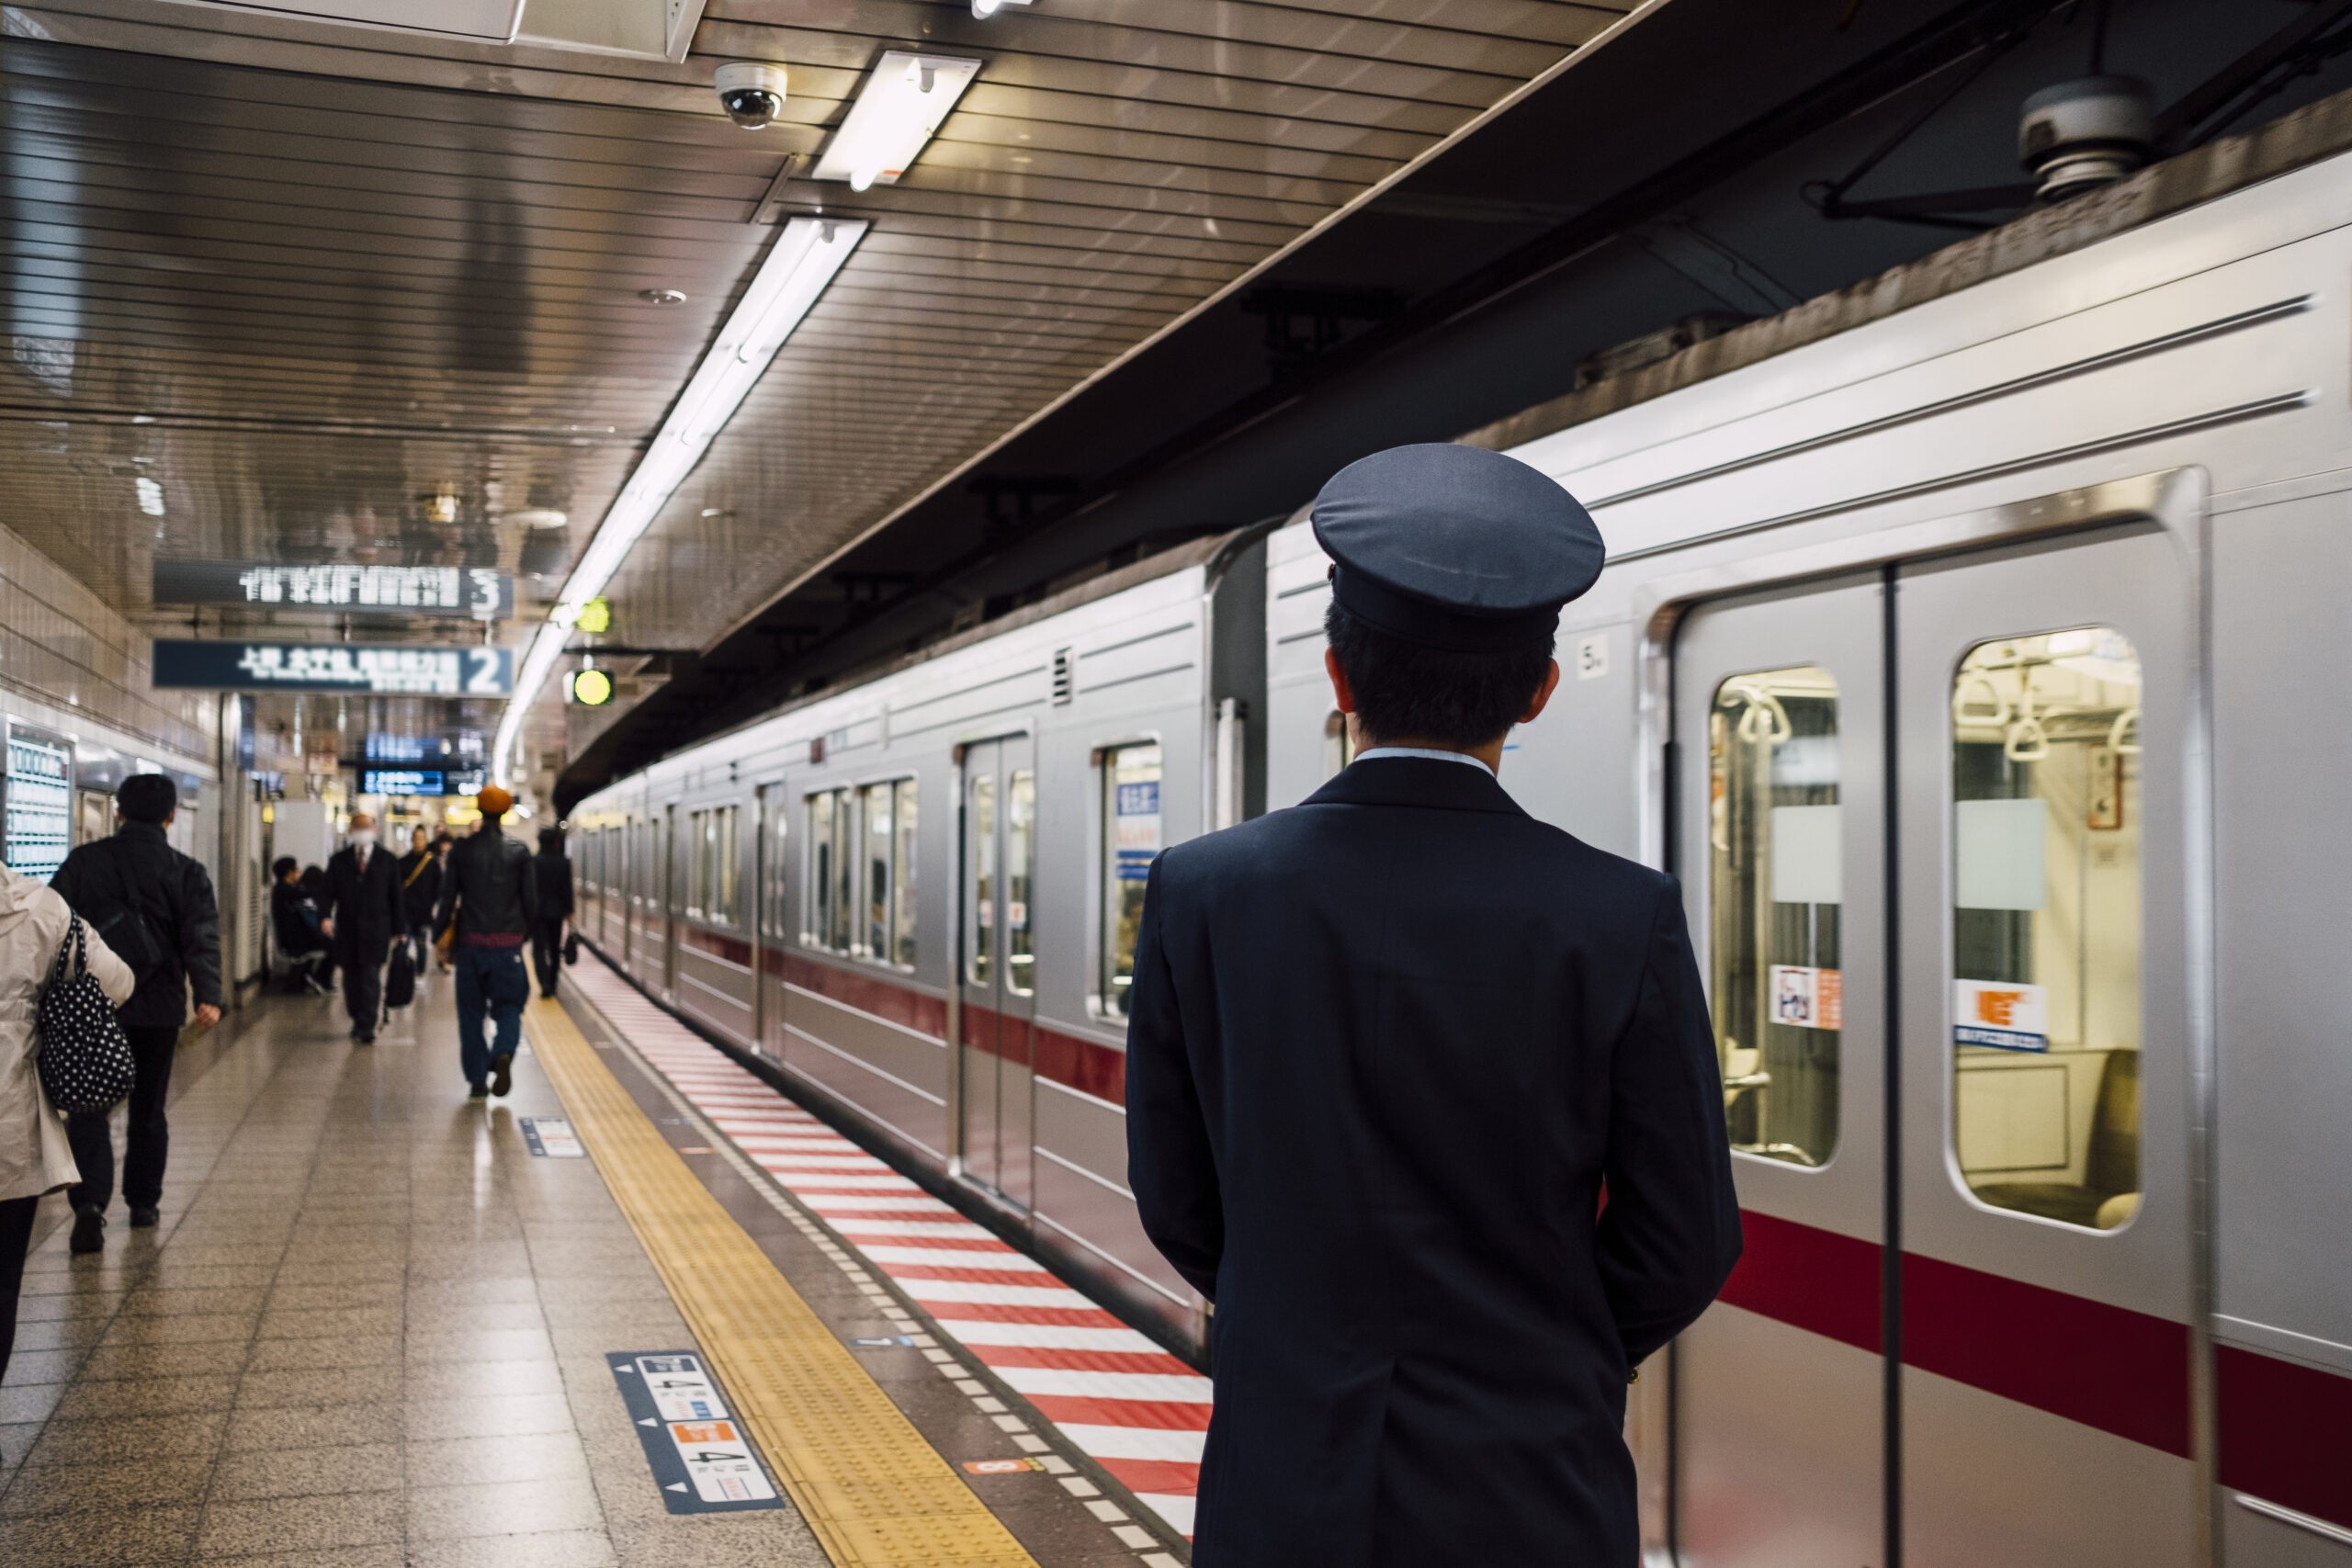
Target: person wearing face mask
366, 914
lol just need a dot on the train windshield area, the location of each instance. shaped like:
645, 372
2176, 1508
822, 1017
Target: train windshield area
1775, 900
2046, 925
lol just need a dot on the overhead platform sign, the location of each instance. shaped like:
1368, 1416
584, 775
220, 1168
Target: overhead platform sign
480, 592
358, 669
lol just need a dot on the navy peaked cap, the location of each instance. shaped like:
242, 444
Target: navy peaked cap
1455, 547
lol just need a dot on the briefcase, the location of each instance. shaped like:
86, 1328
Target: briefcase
571, 948
400, 982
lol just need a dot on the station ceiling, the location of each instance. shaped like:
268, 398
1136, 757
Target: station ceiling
286, 289
311, 279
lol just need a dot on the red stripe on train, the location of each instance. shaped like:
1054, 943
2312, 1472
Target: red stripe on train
1809, 1278
2109, 1367
2287, 1433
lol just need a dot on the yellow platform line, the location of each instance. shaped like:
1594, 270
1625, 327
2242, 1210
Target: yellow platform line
875, 1491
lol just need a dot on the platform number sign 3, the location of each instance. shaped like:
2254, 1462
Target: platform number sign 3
1592, 656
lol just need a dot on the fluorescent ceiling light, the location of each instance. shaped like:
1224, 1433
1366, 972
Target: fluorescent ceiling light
990, 7
803, 260
902, 104
150, 496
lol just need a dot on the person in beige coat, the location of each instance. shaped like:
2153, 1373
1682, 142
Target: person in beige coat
34, 1156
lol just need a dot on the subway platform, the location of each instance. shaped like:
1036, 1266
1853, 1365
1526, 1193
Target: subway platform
380, 1325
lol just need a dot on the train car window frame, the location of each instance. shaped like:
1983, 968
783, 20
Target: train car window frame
979, 879
1133, 831
858, 899
1021, 882
2048, 912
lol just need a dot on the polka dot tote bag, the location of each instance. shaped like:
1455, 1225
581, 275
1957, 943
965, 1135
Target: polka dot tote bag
85, 1059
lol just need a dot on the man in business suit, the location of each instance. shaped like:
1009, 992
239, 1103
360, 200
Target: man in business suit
1420, 1091
366, 914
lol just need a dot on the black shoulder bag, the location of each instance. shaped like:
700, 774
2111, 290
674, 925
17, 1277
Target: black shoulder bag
85, 1058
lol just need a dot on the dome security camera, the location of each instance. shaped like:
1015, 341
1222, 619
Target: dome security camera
751, 92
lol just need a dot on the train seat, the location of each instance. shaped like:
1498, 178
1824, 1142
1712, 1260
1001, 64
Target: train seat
2111, 1171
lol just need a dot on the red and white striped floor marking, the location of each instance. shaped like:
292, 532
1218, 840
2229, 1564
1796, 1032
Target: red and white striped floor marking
1128, 1405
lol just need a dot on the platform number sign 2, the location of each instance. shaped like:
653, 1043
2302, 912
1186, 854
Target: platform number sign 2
485, 672
1592, 656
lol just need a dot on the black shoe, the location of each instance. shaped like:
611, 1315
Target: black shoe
501, 1073
89, 1230
144, 1219
478, 1091
368, 1039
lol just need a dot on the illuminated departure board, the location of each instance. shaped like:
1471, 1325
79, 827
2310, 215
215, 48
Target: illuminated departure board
38, 795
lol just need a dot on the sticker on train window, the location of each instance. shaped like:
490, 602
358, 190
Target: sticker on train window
2006, 1015
1808, 998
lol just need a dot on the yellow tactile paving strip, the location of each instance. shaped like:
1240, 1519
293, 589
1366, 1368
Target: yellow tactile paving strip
875, 1491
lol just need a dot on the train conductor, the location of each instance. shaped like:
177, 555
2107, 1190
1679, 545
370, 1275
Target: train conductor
1421, 1093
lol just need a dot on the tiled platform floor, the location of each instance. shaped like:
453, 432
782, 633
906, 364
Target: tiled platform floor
370, 1332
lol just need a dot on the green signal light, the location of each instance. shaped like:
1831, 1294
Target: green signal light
596, 616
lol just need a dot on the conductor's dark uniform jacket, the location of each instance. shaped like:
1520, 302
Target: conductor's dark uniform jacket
1422, 1094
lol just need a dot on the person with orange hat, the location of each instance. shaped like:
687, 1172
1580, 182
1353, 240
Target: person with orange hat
489, 903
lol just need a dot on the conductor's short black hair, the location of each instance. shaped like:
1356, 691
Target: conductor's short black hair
282, 864
1406, 691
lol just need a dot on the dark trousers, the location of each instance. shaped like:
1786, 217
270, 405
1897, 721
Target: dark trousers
16, 1239
490, 980
546, 953
363, 993
147, 1139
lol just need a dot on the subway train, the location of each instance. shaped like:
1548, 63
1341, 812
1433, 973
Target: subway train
1974, 648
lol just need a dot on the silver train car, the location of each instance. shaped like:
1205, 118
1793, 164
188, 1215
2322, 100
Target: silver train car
1979, 669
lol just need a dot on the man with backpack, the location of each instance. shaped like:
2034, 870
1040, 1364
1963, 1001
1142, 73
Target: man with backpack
155, 907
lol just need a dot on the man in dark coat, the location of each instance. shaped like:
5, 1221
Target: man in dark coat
488, 905
154, 906
552, 868
367, 912
421, 873
1421, 1093
294, 922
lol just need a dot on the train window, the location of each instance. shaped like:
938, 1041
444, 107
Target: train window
979, 885
903, 905
874, 939
697, 863
820, 930
775, 914
1131, 839
1774, 896
1020, 856
2046, 925
724, 878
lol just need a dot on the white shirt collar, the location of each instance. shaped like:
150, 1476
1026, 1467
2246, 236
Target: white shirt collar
1378, 752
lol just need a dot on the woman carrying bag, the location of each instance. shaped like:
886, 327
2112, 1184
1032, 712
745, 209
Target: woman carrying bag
37, 947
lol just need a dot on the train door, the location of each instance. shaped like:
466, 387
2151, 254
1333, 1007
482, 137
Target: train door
2044, 910
996, 990
2037, 1360
1779, 716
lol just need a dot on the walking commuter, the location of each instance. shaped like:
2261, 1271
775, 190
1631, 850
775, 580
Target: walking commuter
1420, 1091
488, 905
294, 922
553, 869
368, 915
421, 873
314, 887
35, 1157
154, 906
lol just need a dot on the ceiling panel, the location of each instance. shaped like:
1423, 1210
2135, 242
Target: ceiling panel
305, 275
